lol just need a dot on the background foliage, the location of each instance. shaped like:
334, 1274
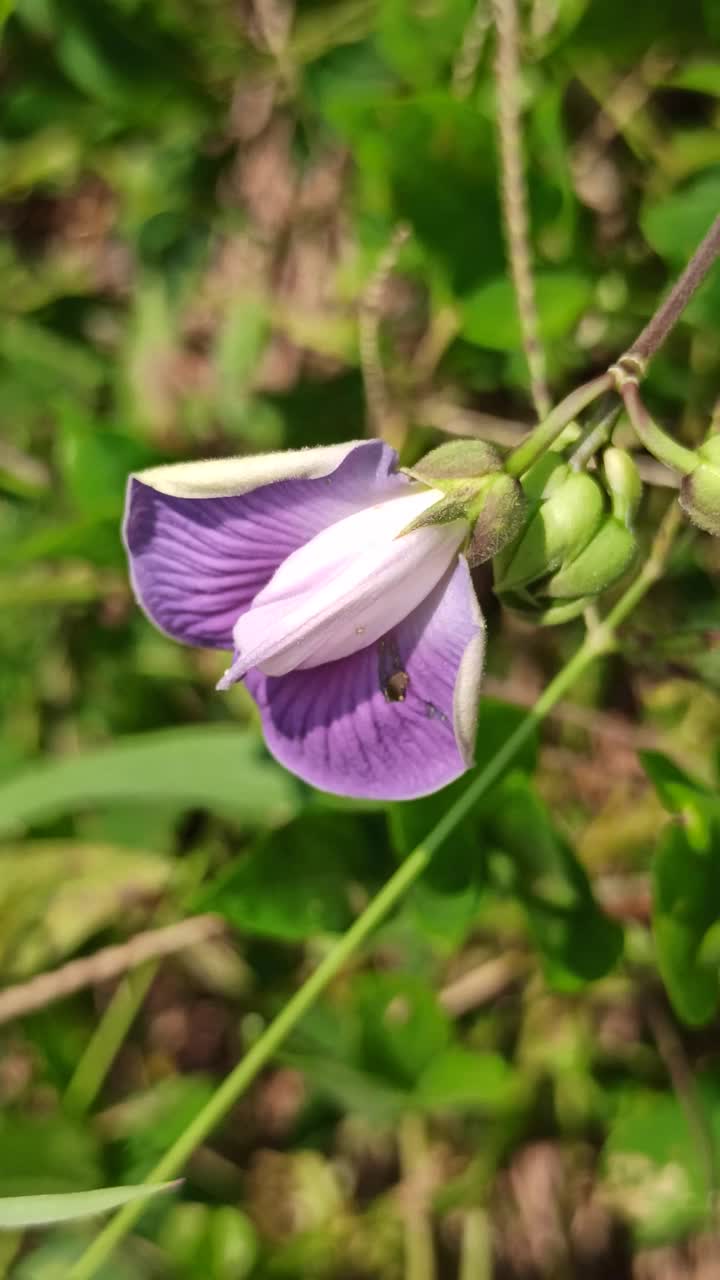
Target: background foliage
195, 202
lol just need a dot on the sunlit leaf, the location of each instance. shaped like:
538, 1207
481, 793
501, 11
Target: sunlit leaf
42, 1211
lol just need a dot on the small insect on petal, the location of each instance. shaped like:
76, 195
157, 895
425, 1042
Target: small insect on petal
397, 686
394, 680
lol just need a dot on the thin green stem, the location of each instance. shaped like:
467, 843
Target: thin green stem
103, 1046
598, 433
528, 452
419, 1247
660, 445
599, 642
476, 1251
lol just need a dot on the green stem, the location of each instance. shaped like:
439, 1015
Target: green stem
419, 1247
660, 445
100, 1052
532, 448
476, 1252
599, 642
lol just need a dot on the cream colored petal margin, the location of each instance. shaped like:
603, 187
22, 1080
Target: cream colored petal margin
226, 477
466, 697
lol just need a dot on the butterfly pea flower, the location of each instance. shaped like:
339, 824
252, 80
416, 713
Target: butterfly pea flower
349, 611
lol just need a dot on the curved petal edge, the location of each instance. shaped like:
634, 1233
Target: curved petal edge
393, 721
197, 561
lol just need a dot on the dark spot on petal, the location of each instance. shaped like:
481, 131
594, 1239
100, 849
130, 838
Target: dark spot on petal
434, 713
396, 686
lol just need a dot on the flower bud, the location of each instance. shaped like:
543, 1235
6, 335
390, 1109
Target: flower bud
566, 518
605, 559
572, 548
700, 490
623, 483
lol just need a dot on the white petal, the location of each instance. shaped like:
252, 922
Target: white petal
466, 694
225, 477
346, 587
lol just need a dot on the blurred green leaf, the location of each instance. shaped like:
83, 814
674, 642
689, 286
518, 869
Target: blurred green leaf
577, 941
686, 893
54, 894
95, 462
655, 1170
220, 767
419, 42
46, 1154
298, 881
459, 1078
675, 224
39, 1211
490, 316
403, 1027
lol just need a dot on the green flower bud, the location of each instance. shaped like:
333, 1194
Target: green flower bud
624, 484
605, 559
566, 518
572, 549
700, 490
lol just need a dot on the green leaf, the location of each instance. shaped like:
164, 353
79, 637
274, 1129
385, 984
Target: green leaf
577, 941
297, 882
403, 1026
220, 768
353, 1088
686, 894
654, 1167
490, 316
445, 901
55, 894
420, 43
40, 1211
675, 224
459, 1078
46, 1154
94, 463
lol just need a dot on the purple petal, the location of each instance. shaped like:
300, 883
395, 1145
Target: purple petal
197, 562
358, 727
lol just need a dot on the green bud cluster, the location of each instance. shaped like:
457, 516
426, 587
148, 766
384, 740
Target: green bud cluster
572, 547
558, 537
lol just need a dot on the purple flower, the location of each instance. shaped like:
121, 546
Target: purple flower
363, 649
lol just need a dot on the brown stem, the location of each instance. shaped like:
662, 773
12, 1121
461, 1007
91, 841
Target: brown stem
110, 962
666, 317
517, 230
369, 316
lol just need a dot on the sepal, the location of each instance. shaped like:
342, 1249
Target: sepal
700, 490
455, 463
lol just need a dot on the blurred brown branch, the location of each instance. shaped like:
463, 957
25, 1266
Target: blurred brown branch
110, 962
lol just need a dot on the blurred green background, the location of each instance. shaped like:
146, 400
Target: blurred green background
199, 248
